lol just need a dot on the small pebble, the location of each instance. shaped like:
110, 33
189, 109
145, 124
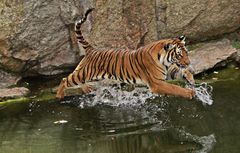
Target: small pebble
215, 78
60, 122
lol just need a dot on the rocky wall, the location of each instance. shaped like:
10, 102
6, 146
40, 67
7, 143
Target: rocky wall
36, 36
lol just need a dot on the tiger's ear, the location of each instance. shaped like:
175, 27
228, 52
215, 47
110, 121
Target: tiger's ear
182, 39
168, 46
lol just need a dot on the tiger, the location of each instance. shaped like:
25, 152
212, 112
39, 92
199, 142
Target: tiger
146, 65
176, 72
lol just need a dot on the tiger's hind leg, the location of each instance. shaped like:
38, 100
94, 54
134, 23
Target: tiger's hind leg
163, 87
87, 88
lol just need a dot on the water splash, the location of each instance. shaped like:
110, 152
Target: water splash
203, 92
114, 96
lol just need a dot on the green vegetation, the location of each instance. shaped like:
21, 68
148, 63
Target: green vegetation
236, 44
43, 97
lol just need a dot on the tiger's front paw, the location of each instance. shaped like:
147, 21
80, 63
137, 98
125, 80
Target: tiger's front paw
188, 76
190, 93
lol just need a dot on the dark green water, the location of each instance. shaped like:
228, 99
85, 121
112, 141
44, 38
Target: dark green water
160, 125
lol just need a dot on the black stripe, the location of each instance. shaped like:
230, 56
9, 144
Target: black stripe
134, 80
109, 76
115, 65
135, 63
78, 75
128, 81
78, 32
98, 62
83, 75
109, 60
122, 73
103, 61
96, 65
73, 80
131, 64
121, 76
128, 76
93, 58
103, 75
79, 37
67, 82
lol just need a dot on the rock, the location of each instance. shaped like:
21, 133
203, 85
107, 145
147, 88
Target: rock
210, 54
13, 92
123, 24
8, 79
199, 20
34, 36
37, 38
236, 57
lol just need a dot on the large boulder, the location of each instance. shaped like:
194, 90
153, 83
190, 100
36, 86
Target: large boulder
36, 36
209, 55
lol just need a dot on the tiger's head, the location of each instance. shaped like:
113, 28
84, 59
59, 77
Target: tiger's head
176, 52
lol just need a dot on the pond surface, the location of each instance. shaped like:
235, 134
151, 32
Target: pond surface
115, 121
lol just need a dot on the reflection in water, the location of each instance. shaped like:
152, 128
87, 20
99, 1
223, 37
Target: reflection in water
113, 121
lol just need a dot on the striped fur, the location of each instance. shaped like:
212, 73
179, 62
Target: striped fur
78, 32
175, 72
148, 65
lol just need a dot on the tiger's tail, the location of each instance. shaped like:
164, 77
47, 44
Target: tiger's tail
86, 45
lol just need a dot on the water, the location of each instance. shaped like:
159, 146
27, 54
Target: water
203, 92
115, 121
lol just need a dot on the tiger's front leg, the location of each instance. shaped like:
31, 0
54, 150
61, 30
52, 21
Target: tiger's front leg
163, 88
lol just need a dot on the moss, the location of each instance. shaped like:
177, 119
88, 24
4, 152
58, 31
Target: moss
231, 72
43, 97
236, 44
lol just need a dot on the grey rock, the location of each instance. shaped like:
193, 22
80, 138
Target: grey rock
16, 92
8, 79
36, 37
236, 57
208, 55
199, 20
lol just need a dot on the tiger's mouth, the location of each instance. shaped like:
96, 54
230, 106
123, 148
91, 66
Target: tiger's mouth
181, 65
